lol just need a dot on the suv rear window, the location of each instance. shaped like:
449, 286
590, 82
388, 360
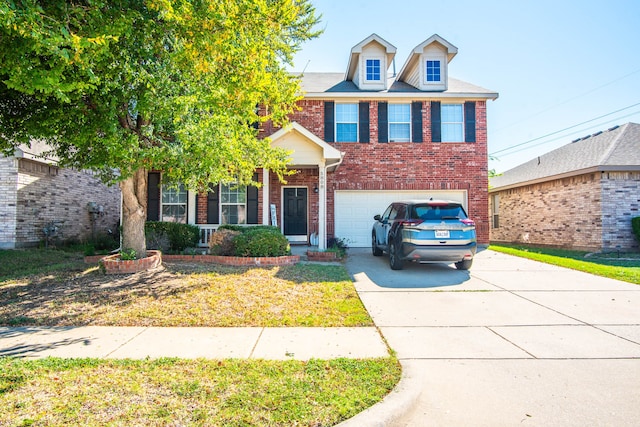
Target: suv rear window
437, 213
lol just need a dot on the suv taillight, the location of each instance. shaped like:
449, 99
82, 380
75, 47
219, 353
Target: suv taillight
468, 221
410, 222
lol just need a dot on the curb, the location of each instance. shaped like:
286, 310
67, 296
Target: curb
396, 405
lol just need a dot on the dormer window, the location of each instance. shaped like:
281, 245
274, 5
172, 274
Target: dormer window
432, 71
373, 70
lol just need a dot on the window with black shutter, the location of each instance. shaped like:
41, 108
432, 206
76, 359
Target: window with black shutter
363, 116
329, 122
416, 121
153, 196
470, 121
436, 130
252, 202
383, 124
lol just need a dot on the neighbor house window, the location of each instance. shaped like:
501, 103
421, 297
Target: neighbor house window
495, 211
174, 204
399, 122
433, 71
452, 123
233, 204
346, 122
373, 70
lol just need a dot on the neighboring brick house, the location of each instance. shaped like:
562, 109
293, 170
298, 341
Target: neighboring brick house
360, 140
580, 196
35, 192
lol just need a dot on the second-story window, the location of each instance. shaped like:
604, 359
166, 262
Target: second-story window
432, 71
373, 70
452, 123
399, 122
346, 122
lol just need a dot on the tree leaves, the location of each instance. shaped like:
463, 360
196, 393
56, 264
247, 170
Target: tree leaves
193, 71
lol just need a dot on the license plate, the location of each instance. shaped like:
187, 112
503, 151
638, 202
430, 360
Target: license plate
442, 234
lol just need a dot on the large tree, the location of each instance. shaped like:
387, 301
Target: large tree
123, 87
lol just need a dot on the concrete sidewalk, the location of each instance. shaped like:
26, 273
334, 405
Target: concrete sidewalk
189, 343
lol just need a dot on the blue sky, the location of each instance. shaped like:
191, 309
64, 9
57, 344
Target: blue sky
556, 64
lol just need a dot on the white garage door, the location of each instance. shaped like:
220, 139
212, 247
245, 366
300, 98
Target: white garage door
354, 210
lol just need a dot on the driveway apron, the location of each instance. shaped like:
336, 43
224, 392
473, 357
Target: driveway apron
510, 342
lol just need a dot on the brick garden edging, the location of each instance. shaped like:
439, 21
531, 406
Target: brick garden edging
236, 260
225, 260
321, 256
114, 265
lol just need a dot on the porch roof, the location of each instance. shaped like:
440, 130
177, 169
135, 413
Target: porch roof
307, 150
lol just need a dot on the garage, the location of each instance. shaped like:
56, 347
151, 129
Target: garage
355, 209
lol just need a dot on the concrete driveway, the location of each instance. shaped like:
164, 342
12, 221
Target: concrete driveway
511, 342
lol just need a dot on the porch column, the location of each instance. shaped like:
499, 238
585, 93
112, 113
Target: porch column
322, 206
265, 196
191, 207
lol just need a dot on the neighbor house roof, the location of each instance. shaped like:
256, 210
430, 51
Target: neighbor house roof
616, 149
331, 85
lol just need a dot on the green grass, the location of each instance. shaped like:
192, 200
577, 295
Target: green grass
625, 267
26, 262
67, 292
92, 392
52, 287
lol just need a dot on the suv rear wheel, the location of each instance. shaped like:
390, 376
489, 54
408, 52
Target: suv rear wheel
394, 259
464, 264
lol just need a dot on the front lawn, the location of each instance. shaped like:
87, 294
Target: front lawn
66, 292
173, 392
625, 266
51, 287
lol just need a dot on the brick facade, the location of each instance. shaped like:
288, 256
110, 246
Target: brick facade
408, 165
621, 202
34, 194
589, 212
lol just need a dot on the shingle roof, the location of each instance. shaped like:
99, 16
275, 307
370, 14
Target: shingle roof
320, 83
615, 149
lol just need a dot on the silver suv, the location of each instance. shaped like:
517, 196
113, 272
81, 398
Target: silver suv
425, 231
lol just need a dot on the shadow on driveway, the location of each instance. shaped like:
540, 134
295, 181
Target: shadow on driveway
369, 271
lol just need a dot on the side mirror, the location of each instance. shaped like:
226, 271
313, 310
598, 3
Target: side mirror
377, 217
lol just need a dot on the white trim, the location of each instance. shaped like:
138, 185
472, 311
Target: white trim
430, 96
265, 196
322, 206
191, 207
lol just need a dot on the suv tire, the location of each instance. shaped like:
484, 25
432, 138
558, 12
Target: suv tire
464, 264
394, 260
374, 247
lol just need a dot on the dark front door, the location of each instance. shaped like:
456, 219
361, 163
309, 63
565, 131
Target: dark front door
295, 212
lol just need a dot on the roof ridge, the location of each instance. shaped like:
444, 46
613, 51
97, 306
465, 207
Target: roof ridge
614, 144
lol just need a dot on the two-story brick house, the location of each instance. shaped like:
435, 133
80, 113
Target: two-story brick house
360, 140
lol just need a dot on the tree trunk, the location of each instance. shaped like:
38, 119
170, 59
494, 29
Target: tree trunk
134, 212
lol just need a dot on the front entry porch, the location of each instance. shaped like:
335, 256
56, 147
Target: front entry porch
298, 207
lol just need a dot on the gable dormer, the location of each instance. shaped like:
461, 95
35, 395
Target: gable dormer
369, 62
427, 66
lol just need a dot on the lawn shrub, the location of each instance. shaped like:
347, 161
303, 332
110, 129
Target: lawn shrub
635, 226
261, 241
171, 236
245, 228
221, 242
